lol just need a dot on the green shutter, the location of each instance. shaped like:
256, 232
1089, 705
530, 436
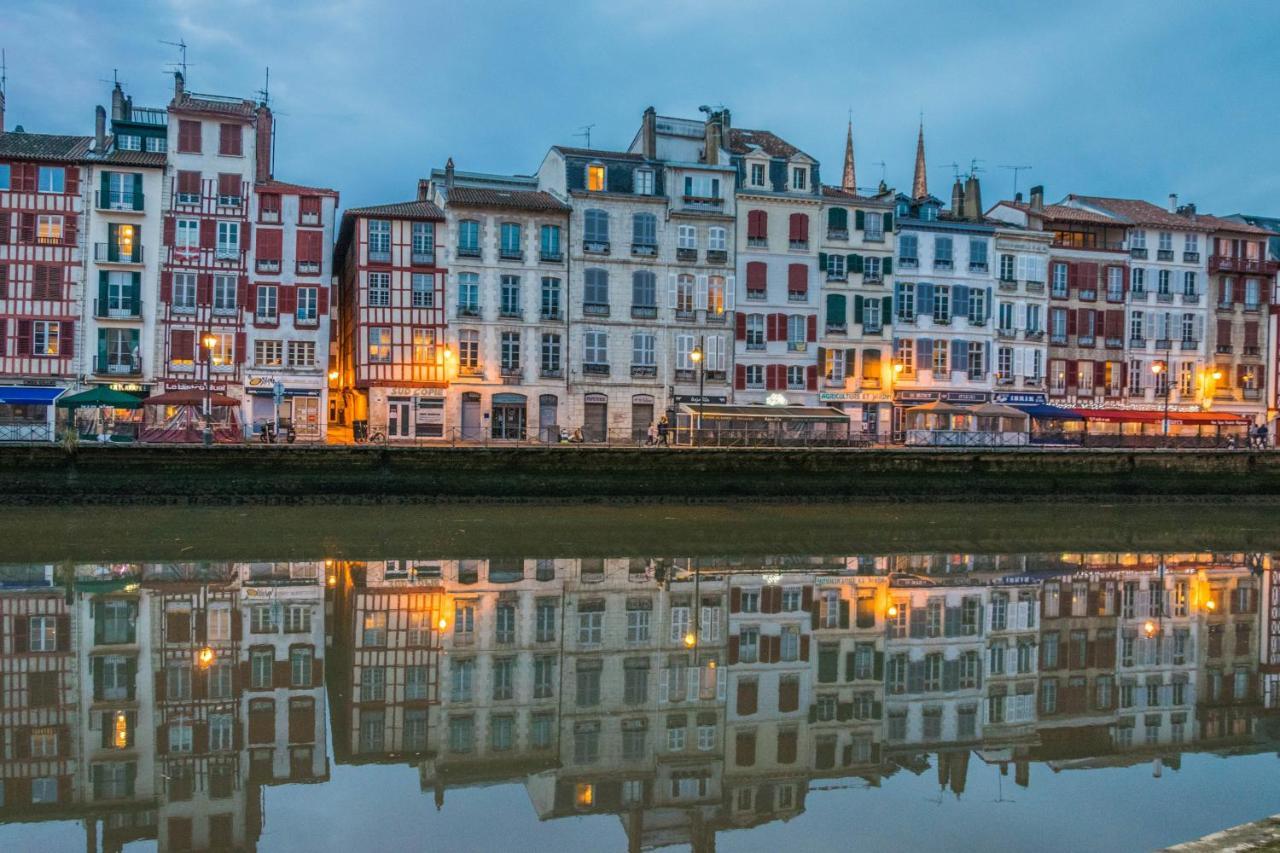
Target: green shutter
102, 293
888, 222
113, 243
137, 191
137, 244
822, 261
887, 266
838, 219
886, 311
133, 340
135, 293
102, 350
104, 189
855, 263
859, 220
857, 309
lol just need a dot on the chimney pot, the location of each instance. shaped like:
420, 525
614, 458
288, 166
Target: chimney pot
649, 134
1173, 202
179, 86
1037, 197
448, 174
100, 129
117, 103
1017, 197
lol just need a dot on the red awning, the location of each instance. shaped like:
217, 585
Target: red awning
190, 398
1148, 416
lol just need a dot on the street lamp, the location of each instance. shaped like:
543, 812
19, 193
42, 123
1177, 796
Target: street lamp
697, 359
209, 341
1158, 368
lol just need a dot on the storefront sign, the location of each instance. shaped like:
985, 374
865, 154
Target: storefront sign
708, 399
392, 391
853, 397
428, 411
944, 396
1021, 399
270, 391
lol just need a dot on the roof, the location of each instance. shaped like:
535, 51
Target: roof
1219, 223
1063, 213
119, 157
1137, 212
596, 152
44, 146
743, 141
840, 194
400, 210
191, 102
292, 189
514, 199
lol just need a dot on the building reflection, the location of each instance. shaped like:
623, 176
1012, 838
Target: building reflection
685, 697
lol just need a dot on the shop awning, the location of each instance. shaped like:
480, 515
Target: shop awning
998, 410
1149, 416
767, 413
17, 395
938, 407
1046, 412
190, 398
101, 397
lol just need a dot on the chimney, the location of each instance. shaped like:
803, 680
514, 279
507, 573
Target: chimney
711, 144
1173, 202
179, 86
117, 104
1188, 210
448, 174
649, 134
1037, 197
100, 129
264, 132
1017, 198
957, 200
973, 199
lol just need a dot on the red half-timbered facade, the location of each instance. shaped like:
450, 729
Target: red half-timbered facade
214, 158
394, 366
41, 268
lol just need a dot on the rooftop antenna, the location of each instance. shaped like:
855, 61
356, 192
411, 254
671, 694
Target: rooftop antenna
954, 167
585, 130
974, 168
1016, 170
4, 70
881, 164
264, 94
181, 45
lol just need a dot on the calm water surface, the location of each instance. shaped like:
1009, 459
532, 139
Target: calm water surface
595, 679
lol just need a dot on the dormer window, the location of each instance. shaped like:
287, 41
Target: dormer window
595, 178
644, 182
799, 177
757, 174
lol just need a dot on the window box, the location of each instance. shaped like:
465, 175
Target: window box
689, 255
132, 367
907, 319
308, 268
1191, 257
268, 266
1164, 254
510, 255
595, 309
758, 242
595, 369
599, 247
717, 256
799, 244
977, 266
551, 257
982, 322
422, 259
872, 278
1139, 253
837, 234
942, 265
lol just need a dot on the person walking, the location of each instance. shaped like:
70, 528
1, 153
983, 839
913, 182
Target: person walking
664, 431
653, 433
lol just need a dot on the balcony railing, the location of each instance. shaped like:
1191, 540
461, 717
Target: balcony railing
909, 263
1035, 287
1229, 263
1224, 349
1189, 345
1138, 252
422, 259
131, 310
758, 242
1164, 254
717, 256
799, 244
117, 367
1164, 297
308, 268
268, 265
550, 314
111, 253
837, 234
1190, 299
599, 247
687, 255
837, 275
1034, 334
1164, 343
837, 329
462, 252
977, 266
642, 370
596, 309
592, 369
1111, 342
268, 217
1250, 350
799, 346
942, 264
510, 255
117, 201
548, 372
551, 257
1007, 284
1191, 257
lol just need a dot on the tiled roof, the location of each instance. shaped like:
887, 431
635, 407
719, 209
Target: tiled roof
44, 146
292, 189
1137, 212
841, 194
132, 158
596, 152
1063, 213
743, 141
1218, 223
519, 200
220, 106
401, 210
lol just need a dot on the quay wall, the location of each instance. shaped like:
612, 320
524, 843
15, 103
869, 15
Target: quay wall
248, 474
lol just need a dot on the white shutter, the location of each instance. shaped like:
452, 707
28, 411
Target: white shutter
722, 683
671, 291
1022, 267
700, 299
1199, 328
730, 292
692, 672
717, 343
1017, 361
664, 685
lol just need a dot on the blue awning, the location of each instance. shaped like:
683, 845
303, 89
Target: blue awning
1041, 410
40, 395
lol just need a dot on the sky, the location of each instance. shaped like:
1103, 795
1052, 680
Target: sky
1129, 98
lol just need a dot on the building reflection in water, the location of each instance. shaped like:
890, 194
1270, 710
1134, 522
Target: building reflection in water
686, 697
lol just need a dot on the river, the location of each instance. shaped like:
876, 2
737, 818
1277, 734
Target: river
753, 677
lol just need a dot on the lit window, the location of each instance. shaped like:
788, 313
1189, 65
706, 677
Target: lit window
595, 178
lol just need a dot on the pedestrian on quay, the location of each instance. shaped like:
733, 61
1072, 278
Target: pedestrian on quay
664, 431
653, 433
1262, 436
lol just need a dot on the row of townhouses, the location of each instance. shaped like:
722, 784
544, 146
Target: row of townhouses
702, 268
160, 258
708, 265
687, 696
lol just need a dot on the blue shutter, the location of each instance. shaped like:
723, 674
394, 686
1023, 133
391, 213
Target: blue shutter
960, 307
986, 357
959, 354
989, 304
924, 296
924, 352
688, 185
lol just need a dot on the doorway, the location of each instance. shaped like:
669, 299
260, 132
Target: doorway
398, 417
548, 418
641, 417
508, 416
595, 417
471, 428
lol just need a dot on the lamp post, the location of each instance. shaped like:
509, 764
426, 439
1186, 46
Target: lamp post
697, 358
209, 342
1158, 368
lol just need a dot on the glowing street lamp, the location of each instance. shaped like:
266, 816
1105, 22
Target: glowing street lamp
209, 341
205, 657
697, 359
1159, 368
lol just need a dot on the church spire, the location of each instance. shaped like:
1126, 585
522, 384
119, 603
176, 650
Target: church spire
920, 186
849, 182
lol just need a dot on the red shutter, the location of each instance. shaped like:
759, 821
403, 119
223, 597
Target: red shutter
230, 139
733, 649
1073, 323
73, 180
240, 347
166, 287
204, 288
242, 292
1124, 281
189, 183
740, 326
804, 647
735, 600
757, 225
811, 379
770, 380
1073, 277
27, 228
1251, 333
1224, 331
67, 339
798, 227
322, 300
24, 338
813, 328
270, 244
189, 136
798, 279
228, 184
170, 231
740, 377
288, 300
208, 234
182, 345
70, 229
757, 275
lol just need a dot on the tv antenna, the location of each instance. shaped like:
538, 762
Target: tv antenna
882, 166
115, 77
264, 94
181, 45
585, 131
4, 71
974, 168
954, 167
1015, 170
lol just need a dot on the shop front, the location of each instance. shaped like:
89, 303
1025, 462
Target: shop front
27, 412
755, 425
104, 414
1048, 423
1156, 428
869, 411
904, 400
415, 413
284, 401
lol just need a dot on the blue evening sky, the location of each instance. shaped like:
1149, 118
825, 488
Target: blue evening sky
1123, 98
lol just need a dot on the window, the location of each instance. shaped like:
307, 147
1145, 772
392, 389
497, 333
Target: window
461, 673
549, 243
266, 307
874, 227
52, 179
596, 288
550, 298
509, 296
1059, 285
551, 354
716, 239
644, 181
5, 177
1007, 271
510, 352
755, 376
757, 174
644, 290
644, 230
423, 292
595, 178
799, 177
267, 353
595, 227
687, 237
468, 349
942, 252
587, 690
544, 676
977, 306
977, 254
379, 344
49, 229
228, 244
44, 337
942, 304
468, 293
509, 234
468, 238
595, 347
908, 249
424, 241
